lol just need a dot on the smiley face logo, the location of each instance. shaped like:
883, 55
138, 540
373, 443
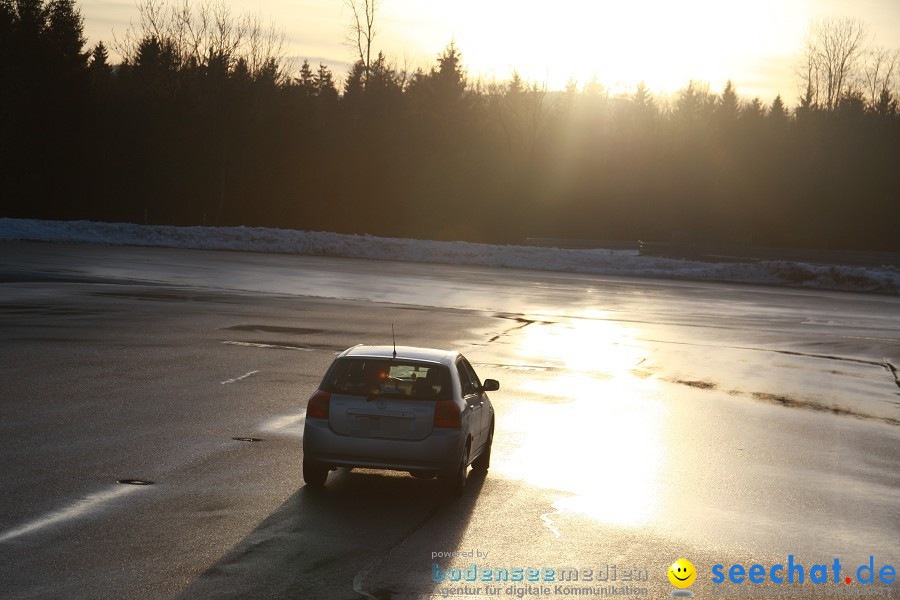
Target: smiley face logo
682, 573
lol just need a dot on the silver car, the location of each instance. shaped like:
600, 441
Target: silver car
404, 409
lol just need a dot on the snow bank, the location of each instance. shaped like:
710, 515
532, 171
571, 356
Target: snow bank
603, 262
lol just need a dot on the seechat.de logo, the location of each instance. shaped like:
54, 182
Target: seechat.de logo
794, 572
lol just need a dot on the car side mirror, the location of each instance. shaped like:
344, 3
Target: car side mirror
490, 385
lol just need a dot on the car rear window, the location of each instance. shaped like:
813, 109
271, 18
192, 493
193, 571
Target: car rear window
388, 378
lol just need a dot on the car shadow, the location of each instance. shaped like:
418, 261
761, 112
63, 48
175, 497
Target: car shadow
347, 540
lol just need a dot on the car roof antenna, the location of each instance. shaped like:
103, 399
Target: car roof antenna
394, 337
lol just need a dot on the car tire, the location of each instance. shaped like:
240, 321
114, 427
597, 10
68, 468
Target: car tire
314, 474
483, 462
458, 480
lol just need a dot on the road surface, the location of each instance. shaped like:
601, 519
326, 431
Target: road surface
638, 421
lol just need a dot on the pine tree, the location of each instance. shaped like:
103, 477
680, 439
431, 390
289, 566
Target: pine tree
442, 90
100, 57
241, 71
886, 105
729, 107
7, 29
778, 112
382, 76
100, 71
65, 34
354, 85
641, 109
29, 24
383, 89
307, 80
694, 103
642, 97
148, 56
449, 78
851, 105
269, 75
417, 87
324, 83
643, 101
594, 89
155, 58
515, 87
753, 110
44, 96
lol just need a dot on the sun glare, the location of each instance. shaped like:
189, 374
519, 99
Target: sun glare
608, 408
618, 44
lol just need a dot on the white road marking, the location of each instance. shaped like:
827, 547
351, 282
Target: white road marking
244, 376
256, 345
77, 509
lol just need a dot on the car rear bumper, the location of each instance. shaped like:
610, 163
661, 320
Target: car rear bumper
440, 451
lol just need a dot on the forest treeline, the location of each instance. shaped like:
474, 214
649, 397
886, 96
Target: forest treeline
201, 123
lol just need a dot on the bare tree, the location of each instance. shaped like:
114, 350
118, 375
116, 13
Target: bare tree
831, 60
881, 70
361, 31
265, 46
199, 33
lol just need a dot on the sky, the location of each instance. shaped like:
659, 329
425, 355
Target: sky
618, 43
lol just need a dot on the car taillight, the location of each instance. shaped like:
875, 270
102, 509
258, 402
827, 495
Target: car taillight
318, 405
446, 414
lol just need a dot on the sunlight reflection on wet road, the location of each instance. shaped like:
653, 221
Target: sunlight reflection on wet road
637, 421
607, 404
626, 425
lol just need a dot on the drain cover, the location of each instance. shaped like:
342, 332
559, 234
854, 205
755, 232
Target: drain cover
134, 481
246, 439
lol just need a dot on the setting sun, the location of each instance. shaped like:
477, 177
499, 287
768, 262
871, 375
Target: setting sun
662, 43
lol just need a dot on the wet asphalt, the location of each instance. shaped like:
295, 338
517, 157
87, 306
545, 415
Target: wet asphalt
638, 422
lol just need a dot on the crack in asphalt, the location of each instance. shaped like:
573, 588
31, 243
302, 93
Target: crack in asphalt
887, 365
523, 323
548, 522
884, 363
789, 401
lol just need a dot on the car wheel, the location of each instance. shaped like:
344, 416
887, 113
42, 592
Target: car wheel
458, 481
483, 462
314, 474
